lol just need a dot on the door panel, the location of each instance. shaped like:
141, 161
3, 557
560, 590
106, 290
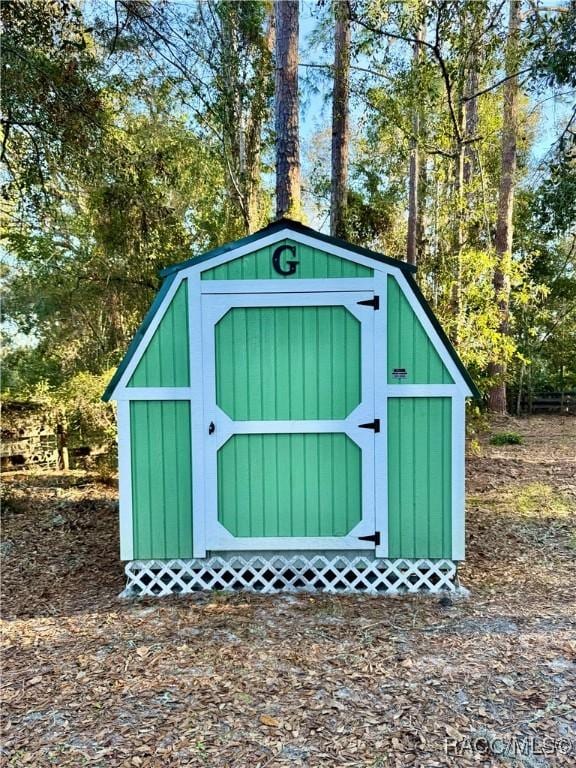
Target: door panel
286, 363
296, 485
288, 380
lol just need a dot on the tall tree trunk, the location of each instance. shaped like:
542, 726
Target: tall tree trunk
504, 229
457, 239
458, 227
287, 136
471, 118
421, 238
340, 119
414, 171
471, 164
259, 113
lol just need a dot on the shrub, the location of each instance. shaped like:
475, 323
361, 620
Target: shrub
506, 438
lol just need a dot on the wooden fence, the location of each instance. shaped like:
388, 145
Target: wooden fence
549, 402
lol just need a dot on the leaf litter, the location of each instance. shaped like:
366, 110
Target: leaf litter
247, 681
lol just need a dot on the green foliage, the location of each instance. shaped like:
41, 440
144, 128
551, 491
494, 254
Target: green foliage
83, 282
543, 501
552, 38
555, 205
76, 404
217, 56
456, 231
51, 99
138, 134
554, 66
89, 420
112, 174
545, 316
506, 438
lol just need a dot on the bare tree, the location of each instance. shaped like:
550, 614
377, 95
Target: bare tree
287, 134
340, 119
504, 227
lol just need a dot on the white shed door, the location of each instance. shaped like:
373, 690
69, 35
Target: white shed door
289, 421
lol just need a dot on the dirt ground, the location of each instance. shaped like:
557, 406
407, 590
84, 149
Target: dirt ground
247, 681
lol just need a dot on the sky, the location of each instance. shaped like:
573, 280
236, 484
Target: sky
315, 107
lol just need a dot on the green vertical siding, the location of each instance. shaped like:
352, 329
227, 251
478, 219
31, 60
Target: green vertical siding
161, 478
165, 363
313, 263
289, 485
408, 344
288, 363
419, 477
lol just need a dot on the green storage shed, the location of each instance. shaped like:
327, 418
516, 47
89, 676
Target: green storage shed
291, 416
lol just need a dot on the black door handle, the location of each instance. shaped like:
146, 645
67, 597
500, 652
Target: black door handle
211, 428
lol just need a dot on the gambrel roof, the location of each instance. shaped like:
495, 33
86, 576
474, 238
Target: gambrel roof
294, 226
284, 228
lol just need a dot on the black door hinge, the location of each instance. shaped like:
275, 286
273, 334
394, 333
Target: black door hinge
375, 537
375, 425
375, 302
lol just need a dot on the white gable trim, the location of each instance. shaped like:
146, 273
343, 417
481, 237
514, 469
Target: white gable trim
275, 237
122, 391
193, 274
432, 333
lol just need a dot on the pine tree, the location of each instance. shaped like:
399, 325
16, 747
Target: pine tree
287, 124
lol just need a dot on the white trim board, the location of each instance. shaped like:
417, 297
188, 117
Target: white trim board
432, 333
458, 476
122, 391
294, 285
380, 351
219, 427
285, 234
215, 306
154, 393
196, 416
125, 481
423, 390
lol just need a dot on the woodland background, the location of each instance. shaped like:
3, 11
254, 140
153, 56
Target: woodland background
139, 133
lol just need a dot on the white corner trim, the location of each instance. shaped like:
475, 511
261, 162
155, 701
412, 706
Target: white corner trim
458, 476
125, 481
197, 416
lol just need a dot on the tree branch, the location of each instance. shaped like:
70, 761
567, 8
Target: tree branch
434, 47
496, 84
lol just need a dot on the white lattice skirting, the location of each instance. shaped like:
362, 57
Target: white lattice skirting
279, 573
